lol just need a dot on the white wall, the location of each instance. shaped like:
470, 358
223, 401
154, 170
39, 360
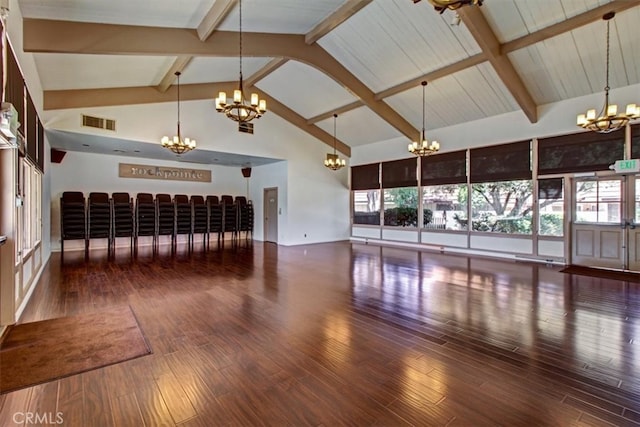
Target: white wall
87, 173
313, 199
274, 175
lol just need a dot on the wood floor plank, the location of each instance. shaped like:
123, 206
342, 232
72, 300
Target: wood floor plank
126, 412
344, 334
175, 398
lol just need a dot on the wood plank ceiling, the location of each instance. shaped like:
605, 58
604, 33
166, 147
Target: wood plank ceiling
361, 58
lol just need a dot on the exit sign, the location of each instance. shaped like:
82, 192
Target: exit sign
626, 166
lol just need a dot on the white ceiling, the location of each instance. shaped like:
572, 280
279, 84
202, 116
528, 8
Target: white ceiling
385, 44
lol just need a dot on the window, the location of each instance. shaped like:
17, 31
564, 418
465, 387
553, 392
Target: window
598, 201
445, 207
366, 207
502, 207
501, 188
443, 177
365, 184
401, 207
400, 192
551, 207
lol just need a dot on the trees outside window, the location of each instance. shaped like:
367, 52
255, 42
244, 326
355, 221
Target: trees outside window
500, 207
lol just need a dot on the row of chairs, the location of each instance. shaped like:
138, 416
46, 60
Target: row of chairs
101, 216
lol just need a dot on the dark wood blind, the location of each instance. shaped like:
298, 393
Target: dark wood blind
445, 168
365, 177
400, 173
31, 136
500, 162
635, 141
40, 145
550, 189
579, 152
15, 88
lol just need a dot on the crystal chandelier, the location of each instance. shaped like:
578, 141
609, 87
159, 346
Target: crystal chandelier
332, 161
177, 144
424, 148
608, 120
238, 109
442, 5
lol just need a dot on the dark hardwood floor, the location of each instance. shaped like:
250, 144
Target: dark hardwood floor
344, 334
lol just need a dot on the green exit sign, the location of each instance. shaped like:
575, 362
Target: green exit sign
625, 166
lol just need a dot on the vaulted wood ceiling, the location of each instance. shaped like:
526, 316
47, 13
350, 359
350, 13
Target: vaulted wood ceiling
361, 58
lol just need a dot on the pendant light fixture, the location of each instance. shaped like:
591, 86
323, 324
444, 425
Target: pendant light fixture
332, 161
424, 147
177, 144
608, 120
239, 109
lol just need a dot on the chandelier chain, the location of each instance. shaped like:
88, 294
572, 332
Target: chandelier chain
335, 116
423, 111
178, 77
606, 88
240, 7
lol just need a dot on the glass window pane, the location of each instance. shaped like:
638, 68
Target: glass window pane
445, 207
502, 207
598, 201
401, 207
366, 207
551, 207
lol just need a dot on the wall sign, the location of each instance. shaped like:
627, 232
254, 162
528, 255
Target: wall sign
127, 170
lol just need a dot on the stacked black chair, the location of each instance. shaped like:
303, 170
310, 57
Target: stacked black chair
122, 216
99, 217
145, 217
230, 215
216, 216
200, 217
245, 216
183, 215
72, 217
166, 216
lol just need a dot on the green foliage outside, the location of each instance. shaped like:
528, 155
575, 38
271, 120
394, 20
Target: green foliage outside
551, 224
406, 216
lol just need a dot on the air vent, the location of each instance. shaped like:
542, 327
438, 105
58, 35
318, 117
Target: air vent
98, 122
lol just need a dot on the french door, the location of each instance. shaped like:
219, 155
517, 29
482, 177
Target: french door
605, 226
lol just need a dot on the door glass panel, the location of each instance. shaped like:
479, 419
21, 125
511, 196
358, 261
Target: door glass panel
598, 201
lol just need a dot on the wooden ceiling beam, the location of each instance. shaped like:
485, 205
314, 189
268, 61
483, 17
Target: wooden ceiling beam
338, 111
568, 25
344, 12
479, 28
90, 38
179, 64
434, 75
263, 72
219, 10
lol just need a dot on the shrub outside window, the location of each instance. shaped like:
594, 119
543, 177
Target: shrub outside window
401, 207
